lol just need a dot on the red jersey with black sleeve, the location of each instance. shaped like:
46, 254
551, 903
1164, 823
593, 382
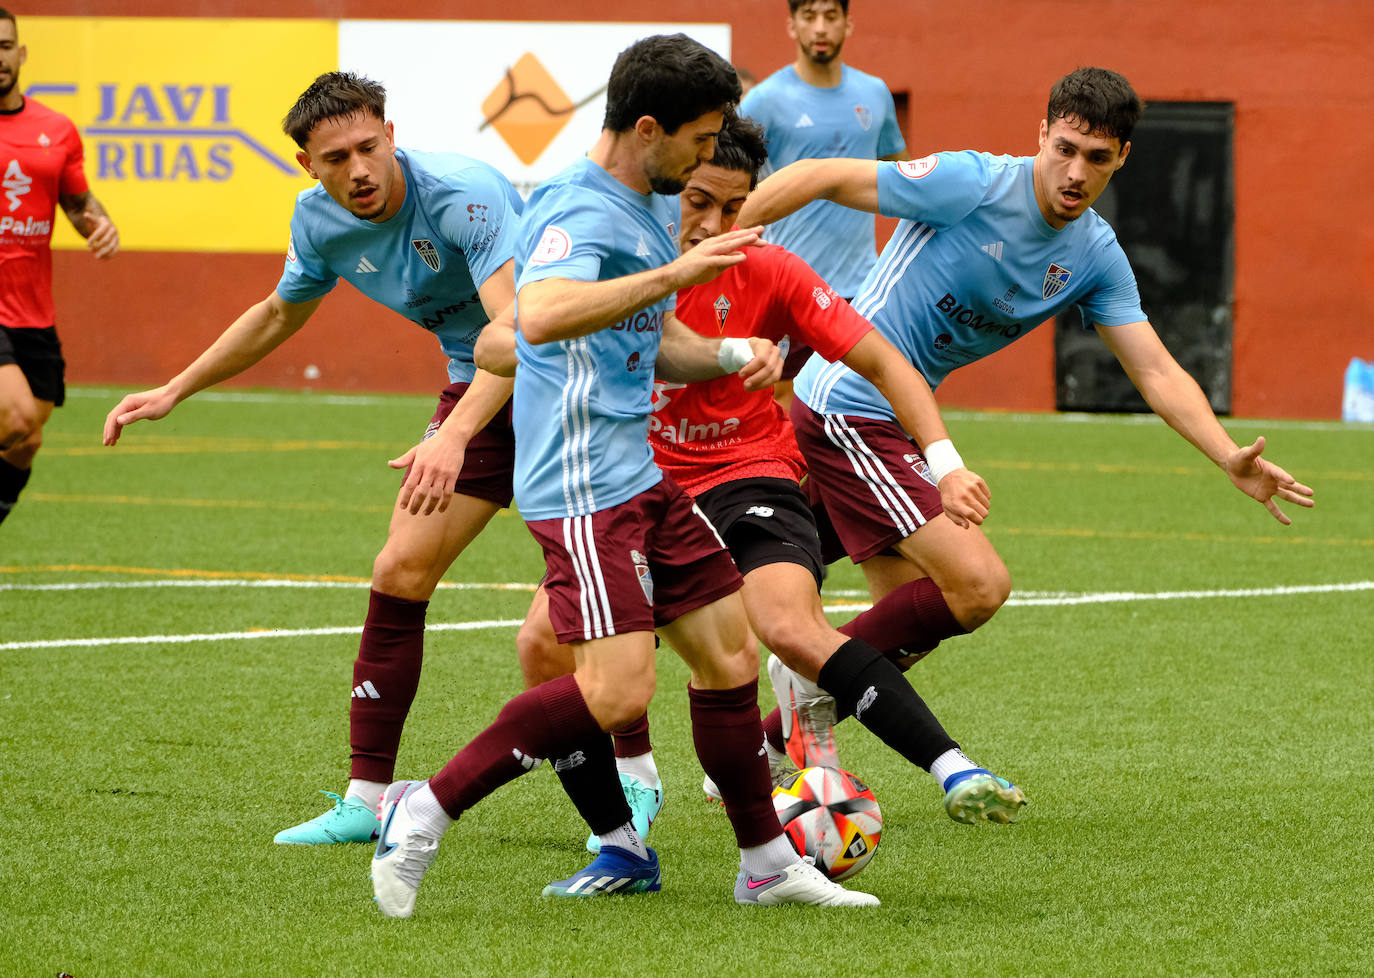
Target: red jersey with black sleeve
714, 431
40, 160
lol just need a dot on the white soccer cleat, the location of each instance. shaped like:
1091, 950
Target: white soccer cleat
800, 882
404, 852
808, 717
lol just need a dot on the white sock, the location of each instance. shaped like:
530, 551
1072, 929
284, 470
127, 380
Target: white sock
950, 762
424, 808
769, 857
367, 793
641, 767
625, 837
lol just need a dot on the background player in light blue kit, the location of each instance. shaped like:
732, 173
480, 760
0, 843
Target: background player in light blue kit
818, 106
988, 247
627, 550
429, 236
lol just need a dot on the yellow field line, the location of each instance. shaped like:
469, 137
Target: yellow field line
180, 572
54, 497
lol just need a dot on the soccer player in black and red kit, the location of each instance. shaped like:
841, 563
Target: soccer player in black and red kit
41, 169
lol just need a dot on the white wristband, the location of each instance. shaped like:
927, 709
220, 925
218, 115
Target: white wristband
734, 354
943, 458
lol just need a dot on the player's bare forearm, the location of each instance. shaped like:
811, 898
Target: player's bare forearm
256, 333
92, 222
484, 398
495, 349
851, 183
880, 363
685, 356
561, 309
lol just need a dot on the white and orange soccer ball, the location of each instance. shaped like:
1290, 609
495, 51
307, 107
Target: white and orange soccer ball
831, 816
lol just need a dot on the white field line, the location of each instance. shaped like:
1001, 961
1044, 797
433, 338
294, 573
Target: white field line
1027, 599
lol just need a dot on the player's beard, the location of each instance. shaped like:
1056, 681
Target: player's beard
667, 185
826, 57
6, 88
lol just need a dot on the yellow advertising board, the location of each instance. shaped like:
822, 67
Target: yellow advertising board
181, 120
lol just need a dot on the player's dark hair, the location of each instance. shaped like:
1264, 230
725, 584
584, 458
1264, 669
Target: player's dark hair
794, 5
332, 95
672, 79
740, 146
1098, 99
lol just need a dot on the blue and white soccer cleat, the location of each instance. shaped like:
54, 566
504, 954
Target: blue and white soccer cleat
645, 804
613, 871
801, 882
980, 794
404, 852
348, 821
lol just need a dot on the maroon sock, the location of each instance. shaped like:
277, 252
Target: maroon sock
772, 729
550, 720
385, 677
729, 743
909, 621
632, 739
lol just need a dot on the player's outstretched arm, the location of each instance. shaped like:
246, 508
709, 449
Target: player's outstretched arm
256, 333
92, 222
1175, 396
685, 356
851, 183
963, 493
559, 309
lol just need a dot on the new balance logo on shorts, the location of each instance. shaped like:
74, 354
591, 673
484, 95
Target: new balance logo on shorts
366, 691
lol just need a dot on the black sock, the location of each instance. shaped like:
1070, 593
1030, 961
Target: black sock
868, 686
592, 782
12, 480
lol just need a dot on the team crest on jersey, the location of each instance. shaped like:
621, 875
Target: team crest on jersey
672, 230
646, 580
1055, 279
722, 308
864, 116
823, 297
915, 169
290, 247
427, 252
43, 140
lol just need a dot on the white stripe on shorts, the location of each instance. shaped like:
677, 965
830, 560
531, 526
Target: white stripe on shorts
591, 586
901, 509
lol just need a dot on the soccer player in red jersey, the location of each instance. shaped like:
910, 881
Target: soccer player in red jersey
40, 170
734, 452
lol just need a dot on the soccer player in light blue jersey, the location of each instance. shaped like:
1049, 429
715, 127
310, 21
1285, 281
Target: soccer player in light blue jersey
818, 107
429, 236
987, 248
627, 550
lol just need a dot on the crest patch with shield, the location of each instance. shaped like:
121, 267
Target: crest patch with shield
427, 252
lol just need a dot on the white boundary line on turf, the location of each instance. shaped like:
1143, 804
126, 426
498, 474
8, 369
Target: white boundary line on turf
1030, 599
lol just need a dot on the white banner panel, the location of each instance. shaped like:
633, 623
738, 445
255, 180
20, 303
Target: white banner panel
527, 97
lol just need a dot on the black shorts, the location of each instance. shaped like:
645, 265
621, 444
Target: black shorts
764, 521
39, 355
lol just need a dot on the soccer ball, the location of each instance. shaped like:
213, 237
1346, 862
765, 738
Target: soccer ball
831, 816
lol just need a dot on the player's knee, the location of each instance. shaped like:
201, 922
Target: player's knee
616, 704
802, 644
541, 655
978, 597
404, 573
22, 452
18, 421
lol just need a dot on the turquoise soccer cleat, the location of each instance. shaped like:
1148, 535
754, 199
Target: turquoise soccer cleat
645, 804
348, 821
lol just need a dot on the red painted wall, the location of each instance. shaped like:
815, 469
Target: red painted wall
1301, 78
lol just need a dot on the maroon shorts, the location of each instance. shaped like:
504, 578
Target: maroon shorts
871, 479
489, 463
632, 567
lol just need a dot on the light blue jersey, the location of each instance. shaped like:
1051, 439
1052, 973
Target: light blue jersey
456, 227
855, 119
972, 266
581, 406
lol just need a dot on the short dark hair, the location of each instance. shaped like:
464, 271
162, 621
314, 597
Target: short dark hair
333, 94
740, 146
671, 78
794, 5
1099, 99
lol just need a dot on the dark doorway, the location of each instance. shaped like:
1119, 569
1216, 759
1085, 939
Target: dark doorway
1173, 208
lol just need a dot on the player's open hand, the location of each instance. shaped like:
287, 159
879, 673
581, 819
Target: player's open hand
713, 256
1261, 479
104, 240
765, 369
434, 466
145, 405
966, 497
